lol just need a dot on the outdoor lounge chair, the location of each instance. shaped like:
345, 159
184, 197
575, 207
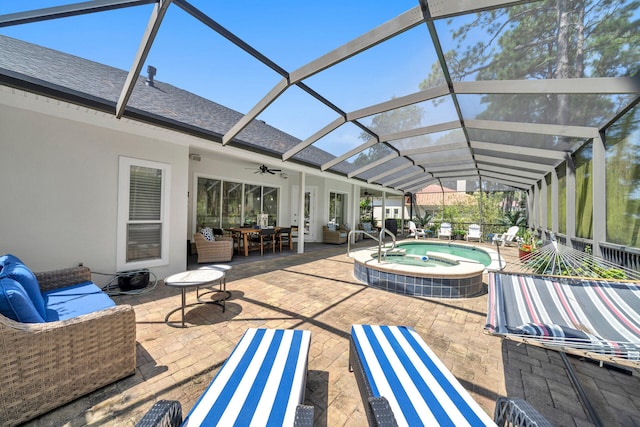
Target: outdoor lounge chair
412, 229
509, 237
262, 380
416, 232
445, 231
474, 233
591, 318
403, 383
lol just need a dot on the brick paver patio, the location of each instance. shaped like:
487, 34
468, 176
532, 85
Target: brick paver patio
317, 291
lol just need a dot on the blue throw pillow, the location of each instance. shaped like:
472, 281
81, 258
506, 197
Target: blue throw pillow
366, 226
331, 226
5, 259
21, 274
16, 304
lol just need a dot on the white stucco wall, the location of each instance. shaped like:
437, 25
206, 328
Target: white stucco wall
59, 167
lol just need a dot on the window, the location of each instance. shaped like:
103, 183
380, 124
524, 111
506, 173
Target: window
270, 204
252, 203
208, 202
337, 203
227, 204
231, 204
143, 212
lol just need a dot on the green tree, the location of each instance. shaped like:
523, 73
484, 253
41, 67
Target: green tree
545, 40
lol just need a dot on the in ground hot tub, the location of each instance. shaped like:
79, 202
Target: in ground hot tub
437, 270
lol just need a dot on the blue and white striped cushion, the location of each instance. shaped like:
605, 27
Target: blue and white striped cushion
420, 389
261, 382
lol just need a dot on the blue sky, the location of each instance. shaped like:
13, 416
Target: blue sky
291, 33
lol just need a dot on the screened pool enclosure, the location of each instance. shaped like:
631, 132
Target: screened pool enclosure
535, 96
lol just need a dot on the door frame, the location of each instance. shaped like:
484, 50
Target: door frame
311, 229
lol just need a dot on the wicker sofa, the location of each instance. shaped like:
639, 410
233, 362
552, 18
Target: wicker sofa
46, 365
217, 250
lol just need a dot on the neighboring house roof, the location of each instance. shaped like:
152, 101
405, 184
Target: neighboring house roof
432, 195
74, 79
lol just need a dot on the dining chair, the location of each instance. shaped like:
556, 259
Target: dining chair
284, 237
266, 238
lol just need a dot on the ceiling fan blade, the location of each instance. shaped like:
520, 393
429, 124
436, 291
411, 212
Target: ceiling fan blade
271, 172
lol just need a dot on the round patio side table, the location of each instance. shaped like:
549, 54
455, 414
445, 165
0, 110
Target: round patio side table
194, 279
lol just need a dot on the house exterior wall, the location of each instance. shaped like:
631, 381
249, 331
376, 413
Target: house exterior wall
59, 166
215, 165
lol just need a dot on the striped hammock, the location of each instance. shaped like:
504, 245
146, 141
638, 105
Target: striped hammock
592, 318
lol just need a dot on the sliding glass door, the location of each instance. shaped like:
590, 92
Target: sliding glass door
228, 204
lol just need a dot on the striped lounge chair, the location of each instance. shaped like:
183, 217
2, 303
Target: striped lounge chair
261, 383
592, 318
402, 382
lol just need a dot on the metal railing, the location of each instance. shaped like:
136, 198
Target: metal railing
379, 239
381, 242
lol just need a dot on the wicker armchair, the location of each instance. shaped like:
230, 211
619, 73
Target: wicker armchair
336, 237
46, 365
217, 250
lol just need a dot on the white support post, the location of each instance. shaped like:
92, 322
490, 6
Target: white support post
301, 213
599, 188
554, 201
543, 205
570, 195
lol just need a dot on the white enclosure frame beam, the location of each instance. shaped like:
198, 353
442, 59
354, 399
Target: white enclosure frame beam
503, 170
534, 128
159, 10
595, 85
389, 29
313, 138
404, 177
387, 173
371, 165
518, 149
516, 163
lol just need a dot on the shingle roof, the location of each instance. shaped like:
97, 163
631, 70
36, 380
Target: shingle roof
73, 78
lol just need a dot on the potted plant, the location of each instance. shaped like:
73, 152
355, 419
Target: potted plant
459, 234
526, 244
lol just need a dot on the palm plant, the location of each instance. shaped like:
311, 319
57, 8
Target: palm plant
423, 220
512, 218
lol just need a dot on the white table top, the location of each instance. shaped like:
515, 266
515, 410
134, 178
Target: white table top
194, 278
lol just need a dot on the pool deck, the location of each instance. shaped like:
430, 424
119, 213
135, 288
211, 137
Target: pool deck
317, 291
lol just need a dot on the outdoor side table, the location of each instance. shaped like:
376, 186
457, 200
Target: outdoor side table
194, 279
222, 284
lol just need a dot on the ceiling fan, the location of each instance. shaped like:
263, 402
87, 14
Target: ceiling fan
262, 169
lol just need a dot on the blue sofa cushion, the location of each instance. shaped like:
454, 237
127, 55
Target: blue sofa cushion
5, 259
16, 304
75, 300
19, 272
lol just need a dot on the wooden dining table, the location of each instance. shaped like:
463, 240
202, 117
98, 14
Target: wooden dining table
242, 233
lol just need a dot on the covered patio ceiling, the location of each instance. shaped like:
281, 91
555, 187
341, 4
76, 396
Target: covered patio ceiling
418, 92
